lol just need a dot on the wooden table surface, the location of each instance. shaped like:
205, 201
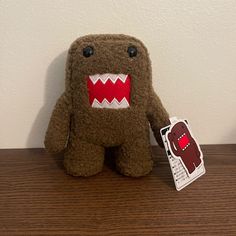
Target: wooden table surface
38, 198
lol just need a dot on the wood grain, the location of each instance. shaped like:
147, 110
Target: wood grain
38, 198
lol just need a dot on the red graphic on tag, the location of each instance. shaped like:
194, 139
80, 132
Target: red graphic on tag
183, 141
184, 146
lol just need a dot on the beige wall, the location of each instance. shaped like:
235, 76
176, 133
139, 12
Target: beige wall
192, 45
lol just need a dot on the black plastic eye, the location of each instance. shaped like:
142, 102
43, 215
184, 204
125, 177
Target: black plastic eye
88, 51
132, 51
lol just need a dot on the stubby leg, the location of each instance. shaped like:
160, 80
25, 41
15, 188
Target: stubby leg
134, 158
189, 164
197, 161
84, 159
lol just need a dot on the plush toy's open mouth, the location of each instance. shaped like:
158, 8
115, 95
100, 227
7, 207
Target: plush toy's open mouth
183, 141
109, 90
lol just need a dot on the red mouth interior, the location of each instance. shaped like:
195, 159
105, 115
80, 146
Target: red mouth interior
183, 141
109, 90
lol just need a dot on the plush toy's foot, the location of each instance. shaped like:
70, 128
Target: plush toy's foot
134, 158
84, 159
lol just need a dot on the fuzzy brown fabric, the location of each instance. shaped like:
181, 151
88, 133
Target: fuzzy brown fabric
84, 132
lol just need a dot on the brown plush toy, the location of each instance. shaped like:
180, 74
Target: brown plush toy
108, 102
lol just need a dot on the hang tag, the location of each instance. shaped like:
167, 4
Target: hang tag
183, 152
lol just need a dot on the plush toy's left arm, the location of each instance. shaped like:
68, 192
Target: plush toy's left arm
58, 127
157, 116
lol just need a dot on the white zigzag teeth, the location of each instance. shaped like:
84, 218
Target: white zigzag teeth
186, 146
181, 136
113, 104
104, 77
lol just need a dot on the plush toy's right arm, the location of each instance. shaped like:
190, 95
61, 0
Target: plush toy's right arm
59, 125
157, 116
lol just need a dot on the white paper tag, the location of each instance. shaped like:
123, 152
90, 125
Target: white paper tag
183, 152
